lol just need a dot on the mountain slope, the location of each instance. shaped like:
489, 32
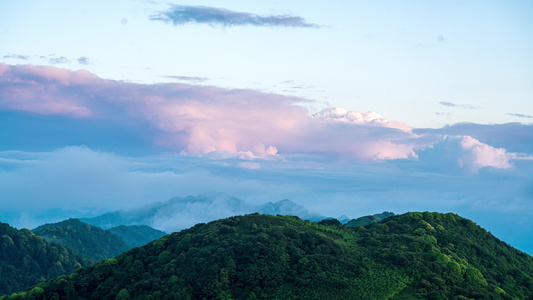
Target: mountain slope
88, 241
411, 256
366, 220
137, 235
26, 259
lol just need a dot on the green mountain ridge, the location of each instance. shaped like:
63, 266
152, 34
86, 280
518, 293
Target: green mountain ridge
137, 235
409, 256
88, 241
366, 220
26, 259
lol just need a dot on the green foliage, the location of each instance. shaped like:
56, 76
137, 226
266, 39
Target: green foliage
90, 242
123, 295
137, 235
410, 256
26, 259
367, 220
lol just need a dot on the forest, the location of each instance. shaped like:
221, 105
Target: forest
410, 256
29, 257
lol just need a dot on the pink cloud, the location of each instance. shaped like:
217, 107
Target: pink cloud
39, 90
204, 119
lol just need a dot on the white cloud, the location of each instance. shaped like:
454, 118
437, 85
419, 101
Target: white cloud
357, 117
464, 153
477, 155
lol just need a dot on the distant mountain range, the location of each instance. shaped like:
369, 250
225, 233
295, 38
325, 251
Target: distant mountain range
179, 213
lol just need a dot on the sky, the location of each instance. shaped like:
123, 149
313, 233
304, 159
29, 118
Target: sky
349, 107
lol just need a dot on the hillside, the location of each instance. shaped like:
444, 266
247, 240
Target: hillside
26, 259
366, 220
410, 256
88, 241
137, 235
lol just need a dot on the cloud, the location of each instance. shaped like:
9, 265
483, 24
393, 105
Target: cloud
450, 104
203, 119
356, 117
478, 155
521, 116
242, 124
78, 181
514, 137
75, 178
187, 78
466, 153
181, 14
49, 94
84, 60
59, 60
17, 56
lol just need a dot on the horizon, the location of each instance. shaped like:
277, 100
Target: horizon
347, 109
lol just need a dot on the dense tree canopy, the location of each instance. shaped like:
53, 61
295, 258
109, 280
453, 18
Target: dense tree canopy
89, 241
367, 220
26, 259
411, 256
137, 235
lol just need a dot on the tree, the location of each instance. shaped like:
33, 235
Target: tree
123, 295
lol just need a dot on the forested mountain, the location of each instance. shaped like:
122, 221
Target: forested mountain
137, 235
26, 259
366, 220
410, 256
88, 241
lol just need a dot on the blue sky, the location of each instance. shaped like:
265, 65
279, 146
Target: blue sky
348, 107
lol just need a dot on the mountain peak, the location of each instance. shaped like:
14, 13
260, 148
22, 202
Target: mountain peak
288, 207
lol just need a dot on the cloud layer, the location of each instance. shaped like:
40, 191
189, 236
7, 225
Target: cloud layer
81, 182
204, 119
181, 14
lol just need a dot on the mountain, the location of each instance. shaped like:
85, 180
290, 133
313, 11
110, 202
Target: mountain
26, 259
366, 220
137, 235
88, 241
410, 256
287, 207
178, 213
343, 219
